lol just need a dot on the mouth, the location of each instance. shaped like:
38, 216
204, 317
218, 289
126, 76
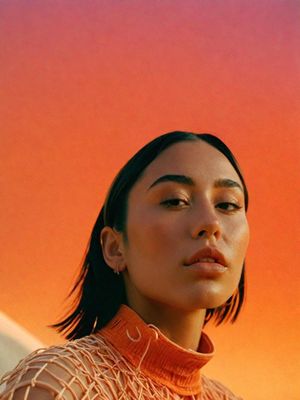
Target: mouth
207, 255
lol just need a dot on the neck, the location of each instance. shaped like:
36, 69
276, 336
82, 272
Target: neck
182, 327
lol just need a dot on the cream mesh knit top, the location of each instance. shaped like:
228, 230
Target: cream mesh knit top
126, 360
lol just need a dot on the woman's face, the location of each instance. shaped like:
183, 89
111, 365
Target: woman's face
187, 231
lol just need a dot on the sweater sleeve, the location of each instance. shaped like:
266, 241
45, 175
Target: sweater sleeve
55, 373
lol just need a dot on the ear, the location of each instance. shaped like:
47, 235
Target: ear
113, 248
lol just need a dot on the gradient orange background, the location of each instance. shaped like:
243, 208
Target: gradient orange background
84, 84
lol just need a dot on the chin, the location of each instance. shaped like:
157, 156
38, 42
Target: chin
208, 300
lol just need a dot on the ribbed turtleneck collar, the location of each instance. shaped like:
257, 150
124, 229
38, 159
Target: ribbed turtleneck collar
155, 355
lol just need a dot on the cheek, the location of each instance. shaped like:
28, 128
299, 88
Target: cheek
149, 232
245, 235
148, 254
240, 239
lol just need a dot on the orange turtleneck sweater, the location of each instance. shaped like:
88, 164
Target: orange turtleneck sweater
127, 359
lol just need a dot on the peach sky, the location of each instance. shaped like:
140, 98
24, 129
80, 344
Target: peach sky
85, 84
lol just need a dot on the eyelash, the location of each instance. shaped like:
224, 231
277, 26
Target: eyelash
234, 205
170, 203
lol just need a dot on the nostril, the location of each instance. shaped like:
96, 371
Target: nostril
206, 228
209, 232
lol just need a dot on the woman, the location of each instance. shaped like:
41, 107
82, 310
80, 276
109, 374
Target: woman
166, 255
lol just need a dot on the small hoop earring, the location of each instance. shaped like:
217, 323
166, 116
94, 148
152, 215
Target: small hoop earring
116, 271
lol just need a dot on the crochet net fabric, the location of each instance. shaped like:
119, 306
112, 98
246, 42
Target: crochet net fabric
90, 368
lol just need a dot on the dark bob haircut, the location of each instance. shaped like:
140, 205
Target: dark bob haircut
98, 291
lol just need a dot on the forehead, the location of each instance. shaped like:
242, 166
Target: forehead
196, 159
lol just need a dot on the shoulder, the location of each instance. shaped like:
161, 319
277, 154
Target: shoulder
63, 372
217, 390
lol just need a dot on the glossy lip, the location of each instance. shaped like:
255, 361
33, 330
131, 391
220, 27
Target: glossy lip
208, 268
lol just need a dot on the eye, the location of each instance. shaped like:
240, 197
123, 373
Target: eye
228, 206
175, 203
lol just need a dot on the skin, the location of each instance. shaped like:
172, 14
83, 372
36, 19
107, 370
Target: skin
167, 223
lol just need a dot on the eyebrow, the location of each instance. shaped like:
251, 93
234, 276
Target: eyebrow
228, 183
186, 180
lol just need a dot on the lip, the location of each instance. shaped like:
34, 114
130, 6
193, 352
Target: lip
207, 252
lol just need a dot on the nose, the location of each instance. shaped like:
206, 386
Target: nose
207, 224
